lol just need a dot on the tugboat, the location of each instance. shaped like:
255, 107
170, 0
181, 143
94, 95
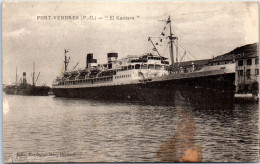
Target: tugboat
146, 77
23, 88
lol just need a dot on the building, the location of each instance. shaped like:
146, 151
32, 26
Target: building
222, 59
246, 59
247, 73
190, 66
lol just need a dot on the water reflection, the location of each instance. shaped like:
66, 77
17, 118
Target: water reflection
181, 146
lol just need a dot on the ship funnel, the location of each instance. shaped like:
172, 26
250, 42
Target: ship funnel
92, 63
24, 77
111, 57
89, 59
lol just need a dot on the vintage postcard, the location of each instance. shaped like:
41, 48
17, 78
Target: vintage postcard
130, 81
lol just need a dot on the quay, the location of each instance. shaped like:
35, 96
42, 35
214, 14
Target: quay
246, 98
243, 62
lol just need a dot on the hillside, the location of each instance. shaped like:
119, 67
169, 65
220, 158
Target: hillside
243, 51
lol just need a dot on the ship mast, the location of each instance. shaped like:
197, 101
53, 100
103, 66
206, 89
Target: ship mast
172, 38
33, 75
171, 44
16, 77
66, 61
177, 50
154, 48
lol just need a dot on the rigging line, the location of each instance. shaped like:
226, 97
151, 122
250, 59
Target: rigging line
182, 43
189, 59
187, 50
182, 48
178, 30
184, 54
184, 57
154, 47
164, 50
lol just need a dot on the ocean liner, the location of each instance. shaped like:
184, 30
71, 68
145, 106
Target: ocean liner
24, 88
146, 77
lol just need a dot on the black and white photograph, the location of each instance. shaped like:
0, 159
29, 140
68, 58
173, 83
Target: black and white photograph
129, 81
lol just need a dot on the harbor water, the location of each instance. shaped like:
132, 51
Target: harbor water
51, 129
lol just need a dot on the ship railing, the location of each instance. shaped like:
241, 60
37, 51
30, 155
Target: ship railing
103, 80
87, 81
199, 73
144, 66
107, 73
81, 77
76, 82
139, 61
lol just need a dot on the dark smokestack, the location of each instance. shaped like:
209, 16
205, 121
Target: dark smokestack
93, 61
111, 56
24, 77
89, 59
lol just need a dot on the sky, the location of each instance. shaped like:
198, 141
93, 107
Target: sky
204, 29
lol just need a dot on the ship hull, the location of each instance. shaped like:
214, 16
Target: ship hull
199, 90
32, 91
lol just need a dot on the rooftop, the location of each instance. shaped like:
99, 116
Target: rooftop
196, 62
249, 50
